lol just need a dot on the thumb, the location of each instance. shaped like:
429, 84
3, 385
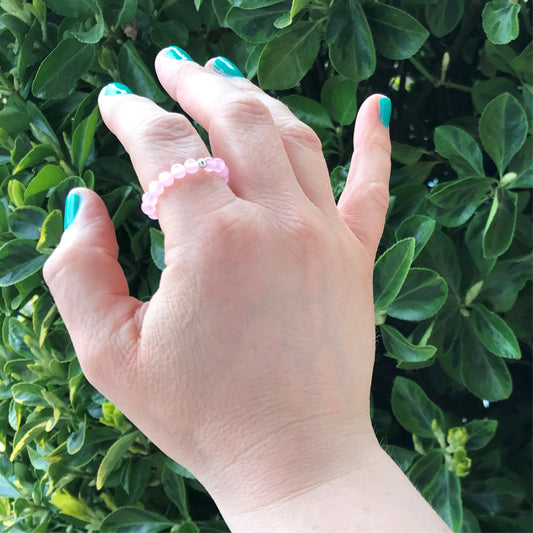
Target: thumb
91, 293
365, 199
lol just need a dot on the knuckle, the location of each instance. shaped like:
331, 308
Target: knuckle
246, 109
169, 127
301, 134
379, 193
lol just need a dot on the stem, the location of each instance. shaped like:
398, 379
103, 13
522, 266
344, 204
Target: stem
435, 81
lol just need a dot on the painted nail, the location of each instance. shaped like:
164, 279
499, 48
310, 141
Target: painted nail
72, 206
227, 67
116, 88
385, 109
174, 52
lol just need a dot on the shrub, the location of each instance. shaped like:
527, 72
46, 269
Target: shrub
452, 382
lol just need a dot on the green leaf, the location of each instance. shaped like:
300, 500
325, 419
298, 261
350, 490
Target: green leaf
135, 74
175, 489
485, 91
421, 296
350, 42
485, 375
51, 231
390, 272
253, 4
493, 332
523, 64
134, 520
157, 248
425, 470
444, 495
60, 71
399, 348
396, 33
308, 111
88, 30
169, 33
257, 25
19, 260
76, 439
59, 193
15, 191
501, 223
37, 154
26, 434
444, 15
503, 129
114, 456
462, 192
405, 153
461, 150
500, 21
420, 228
286, 59
413, 409
47, 178
480, 433
119, 12
28, 394
339, 97
83, 138
474, 242
521, 165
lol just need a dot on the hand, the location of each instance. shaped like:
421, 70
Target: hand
251, 364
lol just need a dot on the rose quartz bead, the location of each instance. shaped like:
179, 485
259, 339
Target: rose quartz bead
177, 171
225, 174
156, 187
149, 210
218, 165
166, 179
149, 198
210, 164
191, 166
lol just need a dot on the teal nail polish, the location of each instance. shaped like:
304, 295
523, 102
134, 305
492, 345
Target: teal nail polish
72, 206
174, 52
385, 109
227, 67
117, 88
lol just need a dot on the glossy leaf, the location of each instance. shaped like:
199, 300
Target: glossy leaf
286, 59
26, 222
461, 150
47, 178
157, 248
443, 16
420, 228
480, 433
308, 111
501, 223
397, 34
399, 348
444, 494
485, 375
500, 21
421, 296
60, 71
51, 231
19, 260
114, 456
464, 192
133, 519
503, 129
494, 333
339, 97
426, 469
390, 272
413, 409
351, 46
174, 487
83, 138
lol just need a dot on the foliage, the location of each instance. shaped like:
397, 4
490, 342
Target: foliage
451, 391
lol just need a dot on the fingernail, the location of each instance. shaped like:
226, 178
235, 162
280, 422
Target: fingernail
174, 52
116, 88
385, 109
72, 206
227, 67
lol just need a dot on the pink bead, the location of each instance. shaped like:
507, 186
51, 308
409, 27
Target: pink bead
166, 179
156, 187
225, 174
149, 210
218, 165
191, 166
210, 166
177, 171
149, 198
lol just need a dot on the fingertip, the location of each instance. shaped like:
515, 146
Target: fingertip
385, 110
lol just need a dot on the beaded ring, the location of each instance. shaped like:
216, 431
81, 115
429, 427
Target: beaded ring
178, 171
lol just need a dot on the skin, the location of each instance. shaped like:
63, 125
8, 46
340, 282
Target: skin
251, 364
